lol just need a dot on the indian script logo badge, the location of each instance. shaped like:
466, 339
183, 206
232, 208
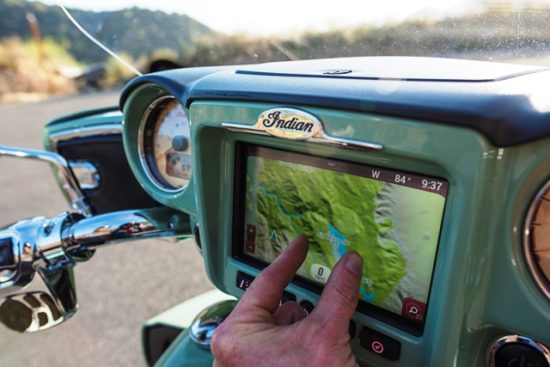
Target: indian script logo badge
289, 123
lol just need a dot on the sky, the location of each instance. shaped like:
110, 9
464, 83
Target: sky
285, 17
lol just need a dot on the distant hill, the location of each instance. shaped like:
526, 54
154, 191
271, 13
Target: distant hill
493, 33
139, 32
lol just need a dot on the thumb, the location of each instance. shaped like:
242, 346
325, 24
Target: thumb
341, 294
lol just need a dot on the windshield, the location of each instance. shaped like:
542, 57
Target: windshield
166, 34
133, 37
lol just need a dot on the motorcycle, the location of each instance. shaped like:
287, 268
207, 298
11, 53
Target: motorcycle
434, 170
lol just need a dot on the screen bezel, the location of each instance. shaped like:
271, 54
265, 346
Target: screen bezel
242, 152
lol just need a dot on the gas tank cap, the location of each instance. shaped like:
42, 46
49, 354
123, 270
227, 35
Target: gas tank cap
207, 321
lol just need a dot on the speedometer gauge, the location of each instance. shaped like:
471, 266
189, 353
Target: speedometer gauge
165, 144
537, 239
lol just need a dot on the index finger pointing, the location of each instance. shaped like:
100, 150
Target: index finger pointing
267, 289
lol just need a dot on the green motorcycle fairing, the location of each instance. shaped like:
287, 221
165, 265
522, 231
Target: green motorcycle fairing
478, 127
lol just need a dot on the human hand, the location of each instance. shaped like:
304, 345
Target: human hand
261, 332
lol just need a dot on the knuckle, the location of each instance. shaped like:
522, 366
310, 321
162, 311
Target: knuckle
217, 340
221, 345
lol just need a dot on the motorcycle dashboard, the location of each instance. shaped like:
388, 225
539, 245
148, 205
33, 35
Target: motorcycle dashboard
409, 173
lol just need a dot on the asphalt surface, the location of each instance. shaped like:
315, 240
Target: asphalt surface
119, 288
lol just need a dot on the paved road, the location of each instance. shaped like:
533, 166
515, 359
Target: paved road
120, 288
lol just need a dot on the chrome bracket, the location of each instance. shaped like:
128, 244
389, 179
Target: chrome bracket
86, 174
297, 124
85, 132
320, 138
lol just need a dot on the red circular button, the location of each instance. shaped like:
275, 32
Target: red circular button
377, 347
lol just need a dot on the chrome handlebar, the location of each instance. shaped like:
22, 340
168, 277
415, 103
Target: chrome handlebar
51, 248
71, 188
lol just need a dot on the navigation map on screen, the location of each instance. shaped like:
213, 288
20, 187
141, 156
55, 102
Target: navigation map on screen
391, 219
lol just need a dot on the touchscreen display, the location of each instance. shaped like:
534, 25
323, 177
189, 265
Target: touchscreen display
392, 219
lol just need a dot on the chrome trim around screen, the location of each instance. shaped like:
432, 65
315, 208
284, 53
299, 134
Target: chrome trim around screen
320, 138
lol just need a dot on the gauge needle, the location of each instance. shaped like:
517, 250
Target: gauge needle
157, 158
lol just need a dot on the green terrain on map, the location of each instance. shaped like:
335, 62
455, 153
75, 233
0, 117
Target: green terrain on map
286, 199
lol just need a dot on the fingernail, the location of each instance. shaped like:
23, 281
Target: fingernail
354, 263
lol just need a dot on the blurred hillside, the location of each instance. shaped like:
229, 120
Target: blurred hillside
500, 33
496, 33
139, 32
54, 61
24, 75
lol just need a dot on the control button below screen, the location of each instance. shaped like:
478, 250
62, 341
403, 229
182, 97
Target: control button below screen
244, 280
288, 297
377, 347
380, 344
519, 355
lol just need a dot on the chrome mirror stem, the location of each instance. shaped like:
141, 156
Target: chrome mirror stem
70, 185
